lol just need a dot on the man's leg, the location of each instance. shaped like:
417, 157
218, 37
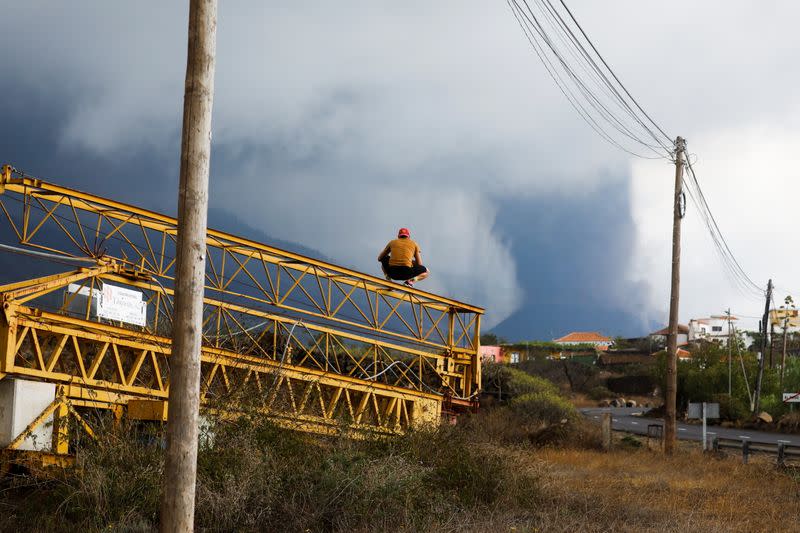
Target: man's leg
422, 275
420, 272
385, 268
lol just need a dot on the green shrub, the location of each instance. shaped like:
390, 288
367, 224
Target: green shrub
629, 441
731, 408
600, 393
543, 407
506, 383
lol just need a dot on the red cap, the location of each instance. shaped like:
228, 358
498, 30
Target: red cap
403, 233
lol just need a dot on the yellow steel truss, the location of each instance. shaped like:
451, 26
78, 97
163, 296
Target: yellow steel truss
317, 345
76, 224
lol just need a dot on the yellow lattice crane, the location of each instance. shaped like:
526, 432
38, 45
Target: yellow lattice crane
315, 346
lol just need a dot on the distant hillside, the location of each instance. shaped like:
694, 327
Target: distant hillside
543, 321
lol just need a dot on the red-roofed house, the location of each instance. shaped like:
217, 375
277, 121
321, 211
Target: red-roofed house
681, 353
600, 342
683, 335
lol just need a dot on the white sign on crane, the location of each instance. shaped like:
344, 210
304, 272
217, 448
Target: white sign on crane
112, 303
121, 304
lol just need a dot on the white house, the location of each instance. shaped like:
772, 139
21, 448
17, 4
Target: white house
713, 328
661, 335
600, 342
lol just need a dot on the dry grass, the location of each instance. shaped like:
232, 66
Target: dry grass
501, 470
639, 490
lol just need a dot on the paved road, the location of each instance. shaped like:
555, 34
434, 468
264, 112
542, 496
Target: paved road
629, 419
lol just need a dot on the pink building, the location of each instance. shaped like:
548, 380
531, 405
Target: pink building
491, 354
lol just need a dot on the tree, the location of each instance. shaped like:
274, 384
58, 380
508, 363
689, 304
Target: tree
488, 339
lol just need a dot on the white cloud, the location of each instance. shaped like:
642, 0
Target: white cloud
751, 176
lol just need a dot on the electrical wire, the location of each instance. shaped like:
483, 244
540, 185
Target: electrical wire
44, 255
653, 122
544, 45
730, 263
596, 73
599, 96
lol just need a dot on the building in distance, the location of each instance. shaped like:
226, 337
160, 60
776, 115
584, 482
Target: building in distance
600, 342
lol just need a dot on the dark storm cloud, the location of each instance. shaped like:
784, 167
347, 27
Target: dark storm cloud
570, 253
336, 123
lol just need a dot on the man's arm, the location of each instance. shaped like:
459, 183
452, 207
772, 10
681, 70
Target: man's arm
418, 257
384, 253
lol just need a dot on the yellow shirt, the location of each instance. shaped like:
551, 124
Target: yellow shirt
402, 251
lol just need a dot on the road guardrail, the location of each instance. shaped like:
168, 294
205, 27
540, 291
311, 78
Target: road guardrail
784, 452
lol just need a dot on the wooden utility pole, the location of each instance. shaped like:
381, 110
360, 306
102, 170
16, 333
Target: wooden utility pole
730, 347
757, 399
672, 337
783, 353
771, 344
788, 305
180, 469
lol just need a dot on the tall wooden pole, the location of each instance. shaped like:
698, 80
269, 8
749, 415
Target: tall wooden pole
180, 469
730, 347
783, 353
672, 337
771, 344
762, 359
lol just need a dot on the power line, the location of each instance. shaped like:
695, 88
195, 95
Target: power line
64, 259
610, 87
587, 102
562, 86
601, 99
653, 122
720, 243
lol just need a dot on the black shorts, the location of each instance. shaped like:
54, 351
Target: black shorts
402, 273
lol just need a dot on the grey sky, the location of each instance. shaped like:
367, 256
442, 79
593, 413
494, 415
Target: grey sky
335, 123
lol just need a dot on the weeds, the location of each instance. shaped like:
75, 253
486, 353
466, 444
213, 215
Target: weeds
527, 464
257, 477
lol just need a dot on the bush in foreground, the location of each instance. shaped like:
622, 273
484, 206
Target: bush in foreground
257, 477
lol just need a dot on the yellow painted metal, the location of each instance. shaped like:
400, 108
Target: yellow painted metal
428, 413
105, 365
31, 289
41, 464
145, 240
147, 410
8, 339
61, 408
314, 346
61, 428
49, 410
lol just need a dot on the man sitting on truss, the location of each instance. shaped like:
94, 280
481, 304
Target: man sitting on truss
401, 259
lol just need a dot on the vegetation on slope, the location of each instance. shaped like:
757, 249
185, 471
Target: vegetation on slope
254, 476
527, 462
